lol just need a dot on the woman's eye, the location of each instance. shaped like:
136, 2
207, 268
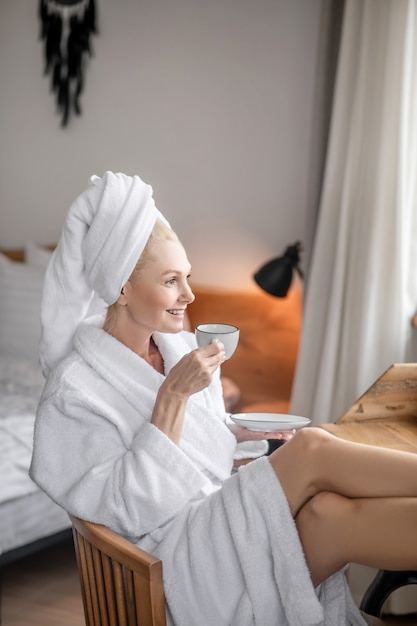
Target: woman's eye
171, 281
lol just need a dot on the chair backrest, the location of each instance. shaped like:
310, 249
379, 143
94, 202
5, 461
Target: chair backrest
121, 584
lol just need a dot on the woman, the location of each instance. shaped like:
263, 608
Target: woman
131, 432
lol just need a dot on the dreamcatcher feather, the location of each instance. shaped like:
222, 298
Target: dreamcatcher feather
66, 26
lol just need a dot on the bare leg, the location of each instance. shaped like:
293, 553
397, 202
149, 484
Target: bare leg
379, 532
314, 461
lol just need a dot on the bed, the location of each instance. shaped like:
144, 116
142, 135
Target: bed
29, 520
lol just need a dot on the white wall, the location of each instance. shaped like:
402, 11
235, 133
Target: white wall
209, 101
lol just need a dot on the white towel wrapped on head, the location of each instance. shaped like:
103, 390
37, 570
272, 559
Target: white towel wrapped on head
105, 232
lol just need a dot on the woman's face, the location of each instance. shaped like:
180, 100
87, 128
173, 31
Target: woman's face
155, 297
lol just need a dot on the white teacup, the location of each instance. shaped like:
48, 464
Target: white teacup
226, 333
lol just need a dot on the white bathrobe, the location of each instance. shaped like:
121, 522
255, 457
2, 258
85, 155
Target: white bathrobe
230, 549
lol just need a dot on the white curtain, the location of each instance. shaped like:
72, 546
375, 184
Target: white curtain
362, 285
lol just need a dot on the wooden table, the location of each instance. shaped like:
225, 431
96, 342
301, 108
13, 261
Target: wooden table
386, 414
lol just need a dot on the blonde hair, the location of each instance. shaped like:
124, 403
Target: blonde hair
160, 232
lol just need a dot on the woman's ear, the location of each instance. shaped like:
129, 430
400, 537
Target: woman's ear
122, 299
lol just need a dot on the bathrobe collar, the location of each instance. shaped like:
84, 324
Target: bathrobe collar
205, 437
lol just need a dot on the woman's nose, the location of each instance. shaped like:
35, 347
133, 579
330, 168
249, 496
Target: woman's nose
188, 295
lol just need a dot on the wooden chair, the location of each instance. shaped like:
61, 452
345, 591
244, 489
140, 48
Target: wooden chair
121, 584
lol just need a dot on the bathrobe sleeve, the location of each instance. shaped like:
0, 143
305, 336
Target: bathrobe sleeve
91, 446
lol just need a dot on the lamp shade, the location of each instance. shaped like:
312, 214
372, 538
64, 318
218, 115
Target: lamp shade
276, 275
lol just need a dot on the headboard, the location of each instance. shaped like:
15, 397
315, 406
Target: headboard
14, 254
18, 254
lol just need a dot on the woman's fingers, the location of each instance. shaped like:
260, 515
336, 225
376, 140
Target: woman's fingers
195, 370
244, 434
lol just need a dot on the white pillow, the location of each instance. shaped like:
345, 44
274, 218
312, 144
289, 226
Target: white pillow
20, 301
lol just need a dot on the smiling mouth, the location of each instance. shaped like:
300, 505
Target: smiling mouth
178, 312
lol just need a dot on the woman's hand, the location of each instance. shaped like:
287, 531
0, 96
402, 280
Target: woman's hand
244, 434
195, 370
191, 374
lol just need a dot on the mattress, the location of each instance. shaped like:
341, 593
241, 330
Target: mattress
29, 519
26, 513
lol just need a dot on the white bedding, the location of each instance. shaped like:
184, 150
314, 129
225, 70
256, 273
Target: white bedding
28, 519
20, 387
26, 513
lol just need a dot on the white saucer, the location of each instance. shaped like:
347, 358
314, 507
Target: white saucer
270, 422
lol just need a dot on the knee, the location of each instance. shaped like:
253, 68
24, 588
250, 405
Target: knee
313, 436
326, 510
299, 465
304, 451
310, 441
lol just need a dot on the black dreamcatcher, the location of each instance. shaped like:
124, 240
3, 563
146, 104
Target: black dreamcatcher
66, 26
